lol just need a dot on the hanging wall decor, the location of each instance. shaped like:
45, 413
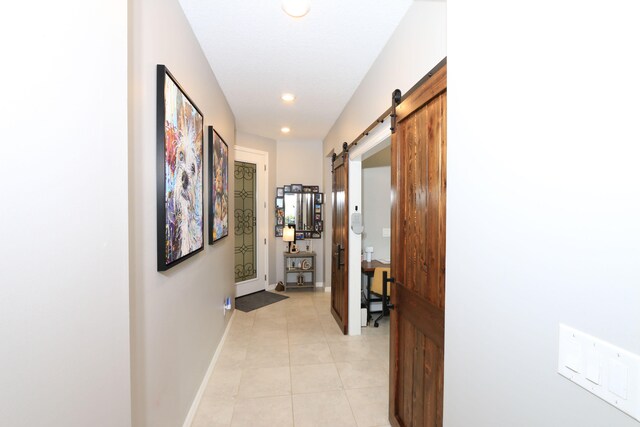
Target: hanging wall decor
179, 171
218, 187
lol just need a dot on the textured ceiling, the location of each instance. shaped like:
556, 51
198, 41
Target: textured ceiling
257, 52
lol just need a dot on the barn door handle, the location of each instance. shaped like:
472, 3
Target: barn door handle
337, 255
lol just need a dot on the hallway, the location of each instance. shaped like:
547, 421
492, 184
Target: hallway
288, 364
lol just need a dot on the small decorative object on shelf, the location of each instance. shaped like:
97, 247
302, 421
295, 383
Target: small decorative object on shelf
299, 270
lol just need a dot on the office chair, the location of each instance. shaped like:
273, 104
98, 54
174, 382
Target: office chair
382, 288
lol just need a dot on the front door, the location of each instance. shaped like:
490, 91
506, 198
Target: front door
340, 241
418, 182
250, 216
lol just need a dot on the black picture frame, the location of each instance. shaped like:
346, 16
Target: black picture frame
280, 192
218, 187
318, 198
172, 209
287, 189
316, 235
296, 188
299, 235
315, 188
280, 202
318, 226
278, 230
306, 189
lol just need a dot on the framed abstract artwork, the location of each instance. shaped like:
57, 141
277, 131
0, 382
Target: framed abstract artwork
218, 187
179, 173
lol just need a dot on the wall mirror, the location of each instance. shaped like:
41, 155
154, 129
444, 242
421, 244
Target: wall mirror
300, 205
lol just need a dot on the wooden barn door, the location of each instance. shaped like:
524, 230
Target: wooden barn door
340, 241
419, 171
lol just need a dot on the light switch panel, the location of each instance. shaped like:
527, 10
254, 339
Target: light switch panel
573, 359
609, 372
593, 364
619, 378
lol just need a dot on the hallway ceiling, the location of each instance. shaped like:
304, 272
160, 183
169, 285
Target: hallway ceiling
257, 52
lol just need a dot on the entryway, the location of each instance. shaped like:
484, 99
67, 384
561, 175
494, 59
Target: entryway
250, 215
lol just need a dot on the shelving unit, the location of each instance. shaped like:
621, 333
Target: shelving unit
293, 268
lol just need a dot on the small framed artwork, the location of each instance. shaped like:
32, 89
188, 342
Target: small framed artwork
318, 225
317, 217
279, 192
287, 189
318, 209
280, 216
296, 188
315, 188
180, 173
218, 187
278, 230
299, 235
318, 198
316, 235
306, 189
307, 234
279, 202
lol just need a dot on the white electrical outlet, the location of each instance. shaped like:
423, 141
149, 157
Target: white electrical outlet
609, 372
226, 306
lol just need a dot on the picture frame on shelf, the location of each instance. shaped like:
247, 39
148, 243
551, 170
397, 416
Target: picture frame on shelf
179, 173
218, 187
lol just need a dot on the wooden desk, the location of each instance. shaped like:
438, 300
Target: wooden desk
367, 269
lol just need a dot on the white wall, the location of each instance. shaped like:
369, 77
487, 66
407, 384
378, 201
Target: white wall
300, 162
376, 209
543, 205
416, 46
177, 315
64, 292
255, 142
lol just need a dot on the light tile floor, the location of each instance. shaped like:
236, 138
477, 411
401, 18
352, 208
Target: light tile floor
288, 364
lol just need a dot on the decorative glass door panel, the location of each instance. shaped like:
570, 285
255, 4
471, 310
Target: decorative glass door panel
245, 219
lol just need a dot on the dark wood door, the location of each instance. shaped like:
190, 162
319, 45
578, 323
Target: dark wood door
340, 241
419, 170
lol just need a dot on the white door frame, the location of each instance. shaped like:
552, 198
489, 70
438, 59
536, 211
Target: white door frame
261, 159
366, 145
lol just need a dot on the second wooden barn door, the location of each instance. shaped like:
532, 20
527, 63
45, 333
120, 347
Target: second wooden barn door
340, 241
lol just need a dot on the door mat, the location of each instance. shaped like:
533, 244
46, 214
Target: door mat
257, 300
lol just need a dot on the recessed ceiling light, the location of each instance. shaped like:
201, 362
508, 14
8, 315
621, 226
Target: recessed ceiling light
296, 8
288, 97
285, 130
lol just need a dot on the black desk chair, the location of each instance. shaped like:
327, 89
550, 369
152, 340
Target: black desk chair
382, 288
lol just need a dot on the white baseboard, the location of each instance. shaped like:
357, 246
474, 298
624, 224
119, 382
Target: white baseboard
196, 400
319, 284
271, 287
327, 289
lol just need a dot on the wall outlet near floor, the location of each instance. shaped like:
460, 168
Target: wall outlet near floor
609, 372
226, 306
